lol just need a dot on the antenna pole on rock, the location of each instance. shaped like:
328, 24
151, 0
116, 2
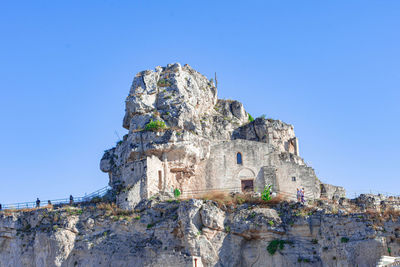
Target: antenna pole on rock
216, 81
116, 133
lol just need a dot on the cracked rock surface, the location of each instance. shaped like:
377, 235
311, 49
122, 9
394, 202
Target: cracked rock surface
169, 233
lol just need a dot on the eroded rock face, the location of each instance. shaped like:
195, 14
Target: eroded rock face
176, 233
274, 132
178, 95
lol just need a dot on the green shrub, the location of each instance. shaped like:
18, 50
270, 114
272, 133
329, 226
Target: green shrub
227, 229
300, 259
271, 223
177, 193
27, 228
74, 211
155, 126
163, 83
314, 241
344, 240
251, 119
275, 244
266, 194
150, 225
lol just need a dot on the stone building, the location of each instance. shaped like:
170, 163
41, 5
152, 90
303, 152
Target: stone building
207, 144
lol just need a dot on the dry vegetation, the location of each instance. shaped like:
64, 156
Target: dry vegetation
111, 210
9, 212
230, 199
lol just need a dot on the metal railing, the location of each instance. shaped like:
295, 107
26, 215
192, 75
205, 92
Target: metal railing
197, 193
393, 200
62, 201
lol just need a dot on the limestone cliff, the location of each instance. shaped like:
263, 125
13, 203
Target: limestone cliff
177, 233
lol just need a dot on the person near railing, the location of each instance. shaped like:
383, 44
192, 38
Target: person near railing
1, 207
71, 199
302, 196
37, 203
298, 195
49, 202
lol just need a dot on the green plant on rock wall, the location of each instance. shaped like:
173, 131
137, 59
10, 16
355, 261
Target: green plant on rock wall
275, 244
266, 194
251, 119
155, 126
344, 240
163, 83
177, 193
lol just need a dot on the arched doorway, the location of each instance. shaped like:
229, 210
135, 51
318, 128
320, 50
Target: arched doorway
246, 177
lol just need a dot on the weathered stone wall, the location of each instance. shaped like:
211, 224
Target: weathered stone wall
286, 172
223, 170
155, 170
293, 174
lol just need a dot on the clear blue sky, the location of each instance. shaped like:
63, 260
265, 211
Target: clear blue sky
330, 68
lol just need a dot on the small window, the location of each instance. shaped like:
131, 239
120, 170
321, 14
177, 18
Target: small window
293, 179
239, 158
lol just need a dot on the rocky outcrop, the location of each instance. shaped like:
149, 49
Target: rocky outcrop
275, 132
186, 102
178, 130
332, 192
175, 233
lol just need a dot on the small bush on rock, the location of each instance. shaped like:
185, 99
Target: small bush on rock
344, 240
275, 244
266, 194
251, 119
155, 126
163, 83
177, 193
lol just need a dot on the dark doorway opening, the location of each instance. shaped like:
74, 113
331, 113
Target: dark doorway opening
247, 186
159, 180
